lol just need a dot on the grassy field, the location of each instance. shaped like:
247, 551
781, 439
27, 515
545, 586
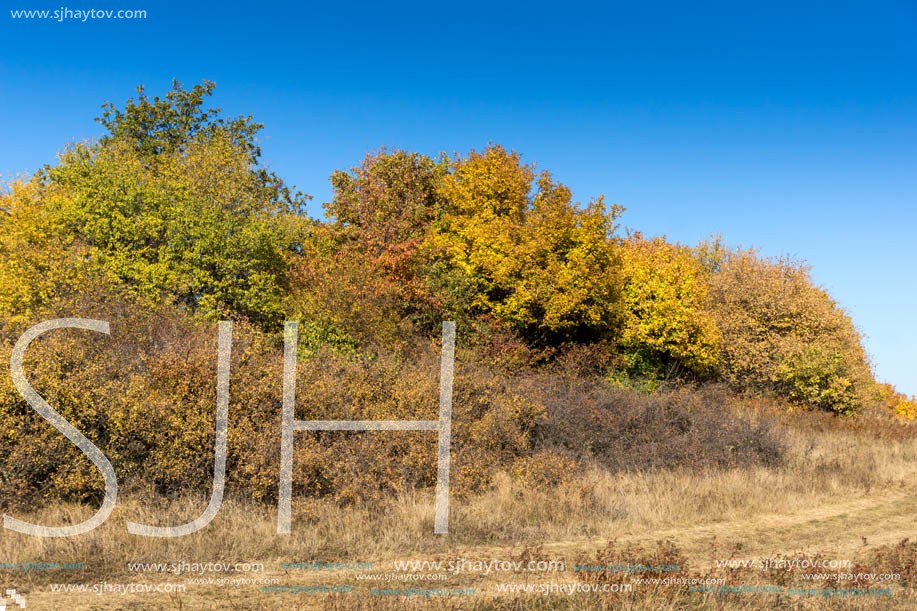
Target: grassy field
842, 493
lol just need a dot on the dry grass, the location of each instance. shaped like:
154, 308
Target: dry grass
835, 489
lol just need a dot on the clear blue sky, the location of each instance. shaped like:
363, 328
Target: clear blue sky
788, 127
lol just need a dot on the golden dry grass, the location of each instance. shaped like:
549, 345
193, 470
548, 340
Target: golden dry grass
839, 493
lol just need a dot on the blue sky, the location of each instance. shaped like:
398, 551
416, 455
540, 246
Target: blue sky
791, 128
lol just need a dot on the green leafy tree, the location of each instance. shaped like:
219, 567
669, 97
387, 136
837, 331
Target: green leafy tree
167, 125
172, 203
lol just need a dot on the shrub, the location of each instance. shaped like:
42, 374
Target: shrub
146, 395
542, 470
782, 335
817, 376
897, 403
625, 430
907, 409
342, 300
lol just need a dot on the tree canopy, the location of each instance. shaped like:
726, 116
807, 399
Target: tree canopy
172, 205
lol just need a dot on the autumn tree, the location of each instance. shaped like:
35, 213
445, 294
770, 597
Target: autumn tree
666, 326
783, 335
172, 203
528, 254
362, 277
382, 212
38, 262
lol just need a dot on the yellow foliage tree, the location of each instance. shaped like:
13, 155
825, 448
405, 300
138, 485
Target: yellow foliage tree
898, 403
666, 323
532, 257
37, 261
784, 335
